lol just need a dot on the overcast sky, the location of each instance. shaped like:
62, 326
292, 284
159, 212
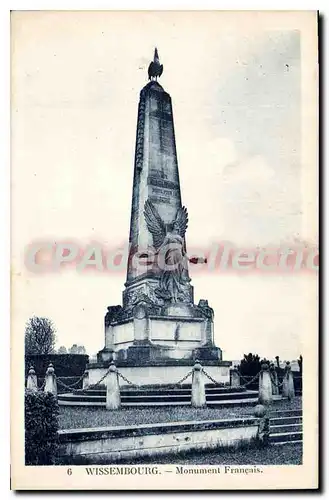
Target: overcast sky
237, 108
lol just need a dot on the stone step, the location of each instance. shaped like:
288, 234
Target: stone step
286, 420
284, 437
146, 398
223, 403
233, 402
286, 413
286, 426
230, 395
163, 392
293, 441
277, 429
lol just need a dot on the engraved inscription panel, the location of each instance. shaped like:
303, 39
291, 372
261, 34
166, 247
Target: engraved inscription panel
162, 195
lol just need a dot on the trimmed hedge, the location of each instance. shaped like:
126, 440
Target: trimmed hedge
41, 426
65, 365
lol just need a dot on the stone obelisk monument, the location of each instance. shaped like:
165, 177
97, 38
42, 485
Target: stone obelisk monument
158, 324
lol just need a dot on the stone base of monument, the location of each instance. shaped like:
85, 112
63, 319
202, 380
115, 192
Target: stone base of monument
158, 342
145, 352
145, 334
158, 373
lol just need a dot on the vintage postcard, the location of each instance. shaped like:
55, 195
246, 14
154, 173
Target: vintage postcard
164, 250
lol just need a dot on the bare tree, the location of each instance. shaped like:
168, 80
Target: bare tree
40, 336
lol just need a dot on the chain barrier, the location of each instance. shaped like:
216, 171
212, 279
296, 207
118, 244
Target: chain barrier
279, 384
60, 383
171, 386
43, 385
58, 380
183, 379
69, 386
252, 380
92, 386
126, 380
248, 382
210, 378
276, 384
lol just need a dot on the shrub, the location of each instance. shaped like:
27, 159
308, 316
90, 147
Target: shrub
250, 365
41, 426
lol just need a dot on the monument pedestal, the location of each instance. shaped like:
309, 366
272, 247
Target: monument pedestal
148, 332
159, 348
161, 373
147, 352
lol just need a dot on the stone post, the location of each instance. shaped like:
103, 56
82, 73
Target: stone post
288, 388
234, 377
274, 379
32, 381
50, 380
113, 400
263, 434
85, 380
265, 385
198, 399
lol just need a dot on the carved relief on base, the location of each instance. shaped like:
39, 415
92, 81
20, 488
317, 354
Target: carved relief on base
145, 292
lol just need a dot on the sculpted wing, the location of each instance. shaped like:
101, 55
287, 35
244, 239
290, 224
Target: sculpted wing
182, 221
154, 223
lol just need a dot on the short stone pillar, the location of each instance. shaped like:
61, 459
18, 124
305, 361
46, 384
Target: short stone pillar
288, 388
265, 385
234, 377
264, 424
113, 400
32, 381
50, 380
274, 379
198, 398
85, 380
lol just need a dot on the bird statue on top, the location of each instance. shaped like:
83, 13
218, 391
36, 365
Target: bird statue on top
155, 68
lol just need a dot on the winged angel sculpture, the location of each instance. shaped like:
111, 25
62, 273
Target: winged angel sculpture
168, 241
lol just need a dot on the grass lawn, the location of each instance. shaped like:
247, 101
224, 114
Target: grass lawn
287, 454
77, 417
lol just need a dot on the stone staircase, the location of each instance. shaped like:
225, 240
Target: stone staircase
286, 427
161, 396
